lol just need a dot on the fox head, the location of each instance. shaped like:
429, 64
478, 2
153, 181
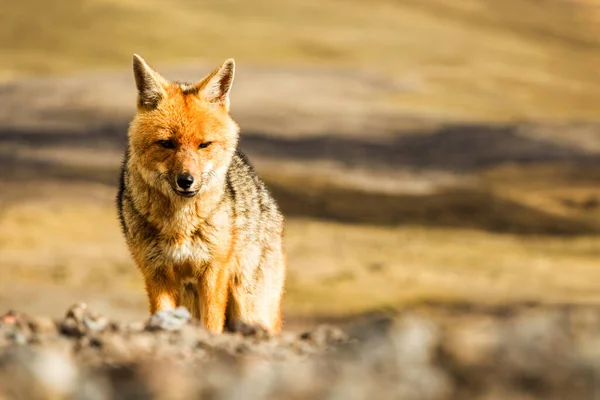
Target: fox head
182, 138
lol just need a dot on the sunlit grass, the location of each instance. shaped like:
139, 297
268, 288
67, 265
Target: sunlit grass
476, 59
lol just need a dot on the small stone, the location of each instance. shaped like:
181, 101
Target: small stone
80, 320
325, 335
18, 326
95, 341
18, 338
253, 330
70, 327
169, 320
115, 327
182, 312
10, 318
77, 311
95, 323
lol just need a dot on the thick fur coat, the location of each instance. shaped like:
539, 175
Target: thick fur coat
201, 226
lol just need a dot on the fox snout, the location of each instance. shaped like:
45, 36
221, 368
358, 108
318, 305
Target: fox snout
185, 181
185, 184
185, 173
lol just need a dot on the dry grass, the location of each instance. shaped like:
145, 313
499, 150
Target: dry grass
370, 268
476, 59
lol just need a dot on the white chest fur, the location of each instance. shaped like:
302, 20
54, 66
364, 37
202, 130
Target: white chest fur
190, 249
179, 239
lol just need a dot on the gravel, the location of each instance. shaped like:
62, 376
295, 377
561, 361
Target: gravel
435, 352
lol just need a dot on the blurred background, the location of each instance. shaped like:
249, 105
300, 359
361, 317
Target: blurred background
421, 150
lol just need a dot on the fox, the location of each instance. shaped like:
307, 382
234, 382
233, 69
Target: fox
199, 223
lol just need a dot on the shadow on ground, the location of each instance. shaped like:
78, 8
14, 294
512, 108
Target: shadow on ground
459, 149
449, 147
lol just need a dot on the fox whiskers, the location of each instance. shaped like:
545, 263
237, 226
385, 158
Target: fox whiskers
209, 179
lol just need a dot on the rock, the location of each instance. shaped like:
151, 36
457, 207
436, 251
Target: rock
10, 318
95, 322
79, 320
325, 335
246, 329
71, 327
72, 324
77, 312
15, 328
169, 320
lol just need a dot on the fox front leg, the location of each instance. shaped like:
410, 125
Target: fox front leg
213, 288
163, 293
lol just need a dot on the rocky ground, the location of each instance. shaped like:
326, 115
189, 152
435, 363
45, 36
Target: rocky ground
431, 352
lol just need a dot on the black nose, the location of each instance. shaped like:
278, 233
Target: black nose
184, 181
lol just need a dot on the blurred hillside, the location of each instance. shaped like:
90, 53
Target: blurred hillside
473, 59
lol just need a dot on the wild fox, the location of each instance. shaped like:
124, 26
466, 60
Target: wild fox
199, 223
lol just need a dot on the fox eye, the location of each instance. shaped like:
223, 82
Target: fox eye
204, 145
167, 144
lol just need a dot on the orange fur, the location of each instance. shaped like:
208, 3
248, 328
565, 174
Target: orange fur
222, 237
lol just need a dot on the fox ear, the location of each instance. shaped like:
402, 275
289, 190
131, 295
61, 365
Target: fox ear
216, 86
151, 86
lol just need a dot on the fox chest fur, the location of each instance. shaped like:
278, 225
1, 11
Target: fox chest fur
175, 239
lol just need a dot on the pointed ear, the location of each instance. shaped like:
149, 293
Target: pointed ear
216, 86
151, 86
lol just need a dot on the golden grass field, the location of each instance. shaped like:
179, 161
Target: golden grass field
481, 59
420, 149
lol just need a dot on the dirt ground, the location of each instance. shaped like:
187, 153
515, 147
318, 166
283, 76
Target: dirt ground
523, 351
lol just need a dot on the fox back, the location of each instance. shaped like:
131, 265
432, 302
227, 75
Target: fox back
201, 226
